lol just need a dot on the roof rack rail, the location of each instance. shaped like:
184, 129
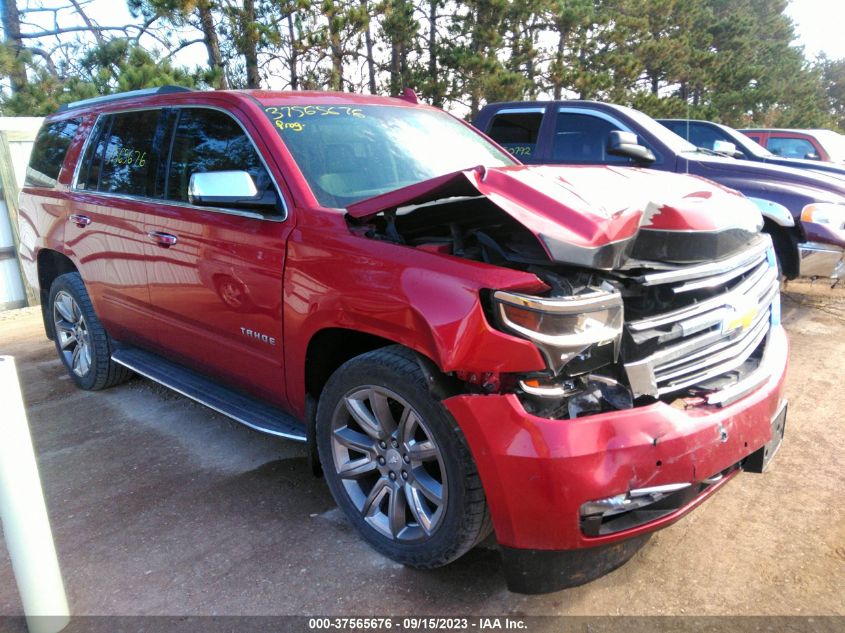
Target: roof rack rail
161, 90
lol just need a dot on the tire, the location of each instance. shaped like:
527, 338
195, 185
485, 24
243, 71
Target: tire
786, 250
82, 343
424, 457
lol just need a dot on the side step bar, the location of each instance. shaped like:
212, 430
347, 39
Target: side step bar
245, 409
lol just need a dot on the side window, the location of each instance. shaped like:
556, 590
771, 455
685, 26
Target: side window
582, 138
92, 162
678, 127
790, 147
48, 152
209, 140
517, 132
120, 158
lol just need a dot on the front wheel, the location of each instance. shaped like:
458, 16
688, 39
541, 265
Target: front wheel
396, 462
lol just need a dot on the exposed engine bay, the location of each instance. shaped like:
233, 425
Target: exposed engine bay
613, 337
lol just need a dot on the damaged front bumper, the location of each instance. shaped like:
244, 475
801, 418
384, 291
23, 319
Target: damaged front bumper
538, 473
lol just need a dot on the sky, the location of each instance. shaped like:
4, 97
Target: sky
818, 25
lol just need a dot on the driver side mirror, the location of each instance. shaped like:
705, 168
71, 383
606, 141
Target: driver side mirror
626, 144
233, 189
812, 156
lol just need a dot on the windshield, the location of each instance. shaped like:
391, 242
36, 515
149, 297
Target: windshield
349, 153
666, 136
751, 146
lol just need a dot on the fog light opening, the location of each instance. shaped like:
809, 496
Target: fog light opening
635, 507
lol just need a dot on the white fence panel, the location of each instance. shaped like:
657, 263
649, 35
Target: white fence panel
19, 133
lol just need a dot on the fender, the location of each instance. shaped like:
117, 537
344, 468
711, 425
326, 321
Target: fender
776, 212
428, 302
790, 196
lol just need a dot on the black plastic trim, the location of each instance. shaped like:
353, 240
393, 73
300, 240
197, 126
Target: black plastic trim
543, 571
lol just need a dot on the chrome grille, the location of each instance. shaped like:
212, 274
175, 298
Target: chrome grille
712, 338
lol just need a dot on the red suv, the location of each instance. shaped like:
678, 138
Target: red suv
571, 357
822, 145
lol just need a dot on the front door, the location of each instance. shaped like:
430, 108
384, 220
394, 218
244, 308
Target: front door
215, 274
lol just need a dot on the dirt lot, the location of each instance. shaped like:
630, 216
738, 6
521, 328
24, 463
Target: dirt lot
160, 506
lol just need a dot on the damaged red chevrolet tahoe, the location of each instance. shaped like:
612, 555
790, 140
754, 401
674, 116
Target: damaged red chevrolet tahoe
569, 357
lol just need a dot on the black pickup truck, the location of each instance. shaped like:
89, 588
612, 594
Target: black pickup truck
804, 211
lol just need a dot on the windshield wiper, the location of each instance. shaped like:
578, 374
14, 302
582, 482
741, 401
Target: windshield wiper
709, 152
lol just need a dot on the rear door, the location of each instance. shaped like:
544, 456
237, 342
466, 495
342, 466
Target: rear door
518, 130
215, 274
108, 206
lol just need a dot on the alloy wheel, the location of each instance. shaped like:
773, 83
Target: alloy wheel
389, 464
72, 332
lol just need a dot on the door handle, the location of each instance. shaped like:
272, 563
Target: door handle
165, 240
79, 220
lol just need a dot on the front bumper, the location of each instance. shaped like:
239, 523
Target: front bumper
538, 472
820, 260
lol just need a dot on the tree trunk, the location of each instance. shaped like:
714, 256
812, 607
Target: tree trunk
12, 29
294, 54
250, 41
403, 67
436, 96
212, 45
336, 78
557, 81
530, 68
368, 40
582, 58
395, 69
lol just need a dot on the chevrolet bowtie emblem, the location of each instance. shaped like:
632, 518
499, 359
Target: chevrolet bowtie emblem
742, 313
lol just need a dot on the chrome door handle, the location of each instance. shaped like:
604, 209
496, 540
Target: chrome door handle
165, 240
79, 220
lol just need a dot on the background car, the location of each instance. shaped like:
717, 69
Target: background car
821, 145
730, 142
804, 211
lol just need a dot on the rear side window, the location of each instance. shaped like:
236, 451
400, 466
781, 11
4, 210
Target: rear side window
120, 158
582, 138
49, 151
209, 140
517, 132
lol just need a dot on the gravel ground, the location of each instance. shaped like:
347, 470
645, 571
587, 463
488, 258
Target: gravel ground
160, 506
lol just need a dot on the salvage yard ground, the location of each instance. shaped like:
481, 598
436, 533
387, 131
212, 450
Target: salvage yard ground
161, 506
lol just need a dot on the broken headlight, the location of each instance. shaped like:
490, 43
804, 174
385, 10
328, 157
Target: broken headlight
563, 328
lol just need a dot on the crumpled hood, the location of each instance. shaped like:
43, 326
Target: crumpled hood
599, 216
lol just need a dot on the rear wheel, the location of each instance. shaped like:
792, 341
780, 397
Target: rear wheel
396, 462
81, 341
